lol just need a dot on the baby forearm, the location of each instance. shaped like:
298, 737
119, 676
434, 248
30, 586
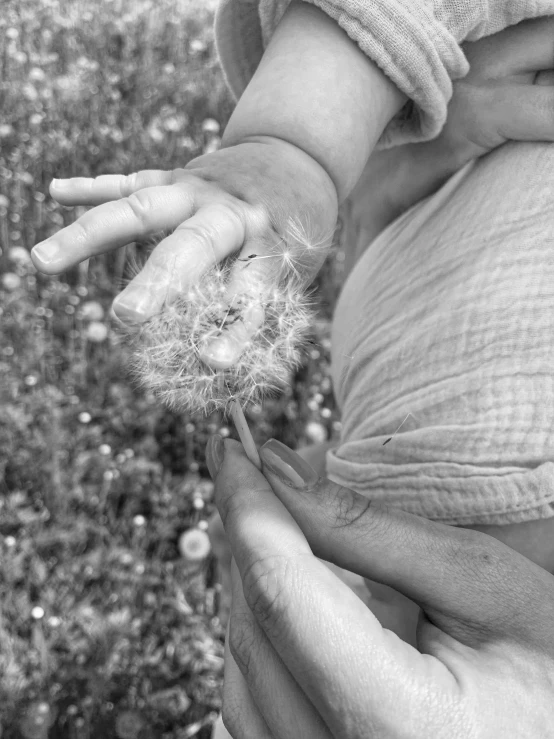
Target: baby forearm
315, 89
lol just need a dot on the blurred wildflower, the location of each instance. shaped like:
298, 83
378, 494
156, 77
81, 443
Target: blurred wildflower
197, 46
37, 720
209, 125
129, 725
85, 417
5, 130
213, 145
36, 119
11, 281
194, 545
26, 177
96, 332
155, 132
316, 432
29, 92
36, 74
19, 255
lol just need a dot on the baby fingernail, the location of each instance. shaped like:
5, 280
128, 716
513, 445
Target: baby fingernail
133, 305
215, 451
47, 251
61, 184
221, 353
287, 465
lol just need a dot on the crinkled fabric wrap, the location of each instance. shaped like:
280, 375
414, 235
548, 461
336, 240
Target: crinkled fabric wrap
415, 42
449, 317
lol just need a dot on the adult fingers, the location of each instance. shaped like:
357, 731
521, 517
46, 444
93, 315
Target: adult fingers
106, 187
114, 224
362, 679
179, 260
285, 708
526, 112
240, 713
474, 587
525, 47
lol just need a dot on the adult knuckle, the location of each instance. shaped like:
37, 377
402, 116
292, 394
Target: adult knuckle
232, 715
228, 499
350, 508
242, 641
266, 584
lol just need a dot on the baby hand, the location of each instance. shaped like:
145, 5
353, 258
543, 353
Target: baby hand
239, 199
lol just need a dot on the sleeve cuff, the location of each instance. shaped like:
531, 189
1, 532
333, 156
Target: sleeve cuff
409, 44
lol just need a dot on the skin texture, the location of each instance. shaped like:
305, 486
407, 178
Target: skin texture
484, 663
508, 85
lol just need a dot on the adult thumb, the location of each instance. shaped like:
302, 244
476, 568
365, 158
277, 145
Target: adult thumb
471, 585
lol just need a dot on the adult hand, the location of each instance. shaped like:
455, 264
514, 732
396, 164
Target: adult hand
507, 95
306, 658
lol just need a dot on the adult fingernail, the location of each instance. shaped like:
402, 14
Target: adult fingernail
133, 305
287, 465
46, 251
215, 451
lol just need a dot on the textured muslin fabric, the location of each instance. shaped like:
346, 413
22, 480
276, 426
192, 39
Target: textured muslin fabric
449, 316
415, 42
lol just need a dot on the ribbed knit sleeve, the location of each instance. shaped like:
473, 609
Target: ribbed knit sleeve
415, 42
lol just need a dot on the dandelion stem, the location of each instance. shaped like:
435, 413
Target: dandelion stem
243, 431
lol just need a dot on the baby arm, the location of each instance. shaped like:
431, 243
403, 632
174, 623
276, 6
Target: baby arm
294, 147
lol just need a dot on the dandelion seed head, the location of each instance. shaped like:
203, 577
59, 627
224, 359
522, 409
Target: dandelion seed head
167, 348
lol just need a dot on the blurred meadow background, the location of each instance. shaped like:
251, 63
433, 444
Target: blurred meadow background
110, 603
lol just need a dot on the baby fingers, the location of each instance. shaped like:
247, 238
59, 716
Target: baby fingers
106, 187
114, 224
179, 260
